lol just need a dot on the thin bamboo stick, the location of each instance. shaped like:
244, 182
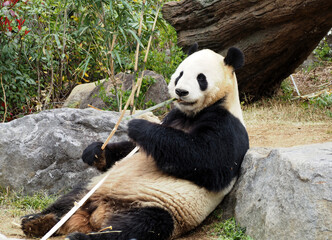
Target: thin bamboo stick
94, 107
132, 94
159, 105
4, 99
147, 52
139, 32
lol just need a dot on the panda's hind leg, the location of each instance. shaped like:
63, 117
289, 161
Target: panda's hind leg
37, 225
149, 223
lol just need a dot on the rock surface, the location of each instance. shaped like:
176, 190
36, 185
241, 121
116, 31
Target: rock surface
43, 151
284, 193
89, 93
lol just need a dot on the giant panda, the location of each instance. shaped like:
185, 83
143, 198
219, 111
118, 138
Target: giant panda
183, 170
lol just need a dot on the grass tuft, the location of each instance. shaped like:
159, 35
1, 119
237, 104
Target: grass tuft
17, 203
228, 230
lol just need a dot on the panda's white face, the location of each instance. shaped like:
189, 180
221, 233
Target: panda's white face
198, 81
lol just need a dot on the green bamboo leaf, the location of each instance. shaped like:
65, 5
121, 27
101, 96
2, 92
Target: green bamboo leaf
117, 56
111, 6
57, 40
123, 33
82, 30
136, 37
125, 3
86, 64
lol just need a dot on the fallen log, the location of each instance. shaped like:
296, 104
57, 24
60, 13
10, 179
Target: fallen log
275, 35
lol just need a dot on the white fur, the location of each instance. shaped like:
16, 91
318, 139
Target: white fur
221, 82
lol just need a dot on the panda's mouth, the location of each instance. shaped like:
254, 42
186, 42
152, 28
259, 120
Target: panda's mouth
182, 102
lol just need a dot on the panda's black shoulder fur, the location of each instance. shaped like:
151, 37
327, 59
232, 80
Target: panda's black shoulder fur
209, 153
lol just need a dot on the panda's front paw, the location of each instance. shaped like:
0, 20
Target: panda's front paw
94, 156
77, 236
137, 128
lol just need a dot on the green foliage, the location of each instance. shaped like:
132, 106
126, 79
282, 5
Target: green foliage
18, 85
165, 62
287, 89
323, 102
228, 230
323, 51
37, 201
49, 46
140, 101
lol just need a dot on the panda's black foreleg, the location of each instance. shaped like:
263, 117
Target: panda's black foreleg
103, 160
37, 225
149, 223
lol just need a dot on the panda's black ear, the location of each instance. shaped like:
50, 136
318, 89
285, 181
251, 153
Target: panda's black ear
234, 58
193, 48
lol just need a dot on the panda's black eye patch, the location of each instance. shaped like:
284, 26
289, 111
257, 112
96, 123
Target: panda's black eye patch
177, 79
201, 79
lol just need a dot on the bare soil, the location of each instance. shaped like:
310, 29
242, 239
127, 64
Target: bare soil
269, 124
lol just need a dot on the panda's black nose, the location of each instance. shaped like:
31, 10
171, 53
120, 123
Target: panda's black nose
181, 92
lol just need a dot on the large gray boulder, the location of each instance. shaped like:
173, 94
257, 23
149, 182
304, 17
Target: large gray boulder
284, 193
43, 151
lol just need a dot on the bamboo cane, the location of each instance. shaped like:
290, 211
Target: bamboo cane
139, 32
147, 52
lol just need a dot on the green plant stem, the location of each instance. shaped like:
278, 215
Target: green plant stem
147, 53
63, 45
48, 98
132, 110
4, 99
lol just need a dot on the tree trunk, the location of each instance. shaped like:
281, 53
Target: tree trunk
276, 36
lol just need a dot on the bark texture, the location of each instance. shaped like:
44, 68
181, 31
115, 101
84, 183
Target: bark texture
276, 36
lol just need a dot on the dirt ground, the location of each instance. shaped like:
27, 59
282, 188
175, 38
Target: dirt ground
267, 127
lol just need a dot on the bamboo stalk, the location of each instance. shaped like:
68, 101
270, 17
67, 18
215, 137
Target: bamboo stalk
112, 76
139, 82
159, 105
94, 107
139, 32
4, 99
147, 52
131, 97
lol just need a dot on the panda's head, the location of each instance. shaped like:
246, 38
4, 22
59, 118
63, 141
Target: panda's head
203, 78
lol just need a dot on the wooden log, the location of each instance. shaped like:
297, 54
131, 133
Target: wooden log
276, 36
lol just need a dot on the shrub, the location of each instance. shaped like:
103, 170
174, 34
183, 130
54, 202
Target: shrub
49, 46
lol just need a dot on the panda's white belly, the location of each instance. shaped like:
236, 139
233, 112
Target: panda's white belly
137, 182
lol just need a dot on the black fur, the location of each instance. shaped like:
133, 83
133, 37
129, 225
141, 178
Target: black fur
234, 58
93, 154
117, 151
193, 48
62, 205
201, 79
149, 223
209, 154
178, 78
